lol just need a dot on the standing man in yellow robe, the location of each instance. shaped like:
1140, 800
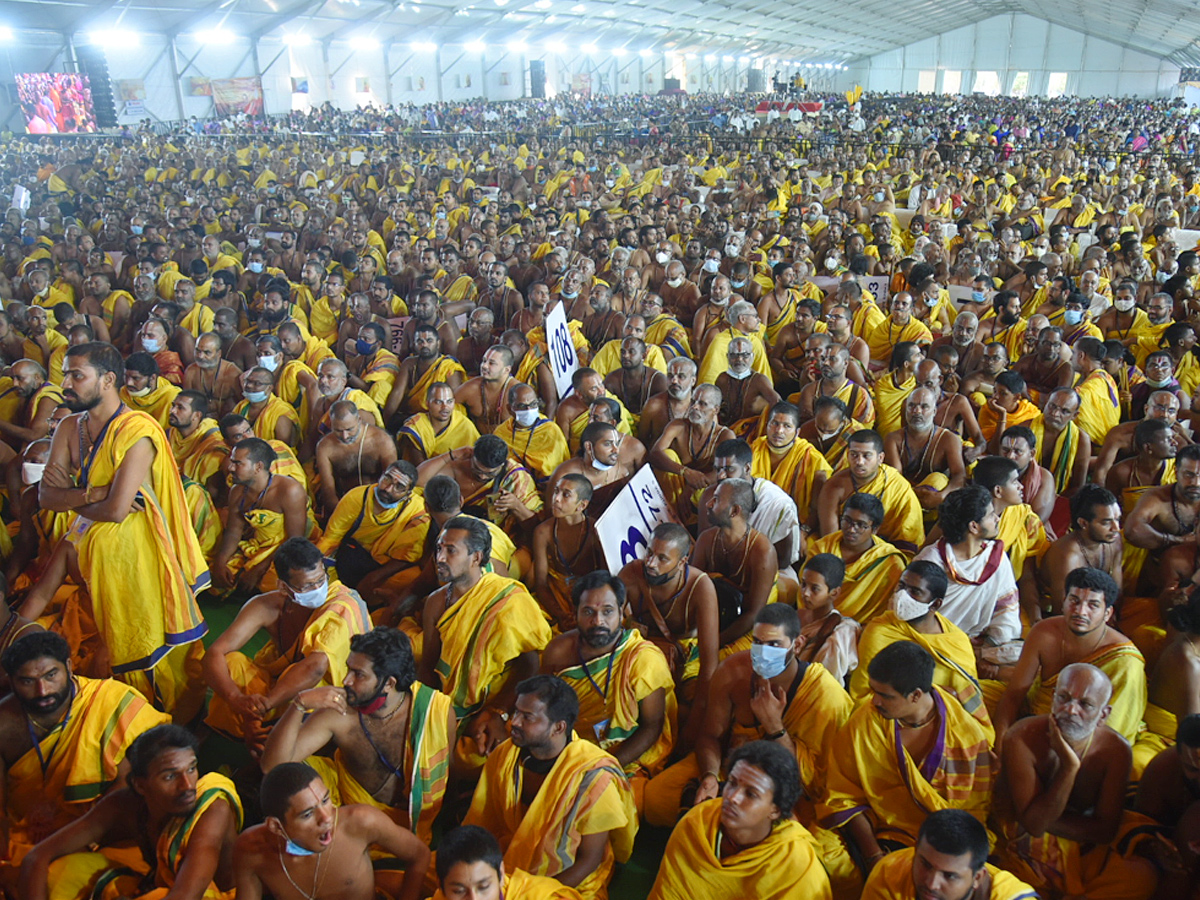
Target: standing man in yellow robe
132, 528
559, 806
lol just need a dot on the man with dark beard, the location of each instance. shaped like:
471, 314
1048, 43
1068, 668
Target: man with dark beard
633, 718
395, 717
52, 709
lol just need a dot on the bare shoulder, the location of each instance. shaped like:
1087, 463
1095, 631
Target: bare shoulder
559, 653
254, 845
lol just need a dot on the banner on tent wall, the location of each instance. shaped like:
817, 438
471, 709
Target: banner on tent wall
581, 83
131, 93
199, 87
299, 85
237, 95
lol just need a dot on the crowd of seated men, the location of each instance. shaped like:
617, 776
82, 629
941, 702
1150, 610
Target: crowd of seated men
920, 617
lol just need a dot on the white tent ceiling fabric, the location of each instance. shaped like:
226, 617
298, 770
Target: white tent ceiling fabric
799, 30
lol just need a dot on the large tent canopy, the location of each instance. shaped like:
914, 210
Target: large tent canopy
784, 31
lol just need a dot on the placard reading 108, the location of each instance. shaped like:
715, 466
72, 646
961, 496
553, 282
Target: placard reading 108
561, 349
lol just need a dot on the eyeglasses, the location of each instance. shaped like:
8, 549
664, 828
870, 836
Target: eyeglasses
849, 524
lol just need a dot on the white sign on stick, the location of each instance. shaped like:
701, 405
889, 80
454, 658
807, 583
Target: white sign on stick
624, 529
878, 285
21, 198
561, 350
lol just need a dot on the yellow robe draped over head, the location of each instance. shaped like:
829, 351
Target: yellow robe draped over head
155, 549
541, 448
201, 454
584, 793
1126, 669
490, 625
869, 580
903, 522
1099, 407
870, 772
633, 671
954, 671
460, 431
157, 403
81, 757
795, 472
889, 402
783, 866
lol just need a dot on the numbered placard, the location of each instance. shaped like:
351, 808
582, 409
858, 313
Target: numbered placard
878, 285
625, 527
561, 349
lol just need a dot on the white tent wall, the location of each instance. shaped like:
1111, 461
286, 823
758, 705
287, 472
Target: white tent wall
1012, 44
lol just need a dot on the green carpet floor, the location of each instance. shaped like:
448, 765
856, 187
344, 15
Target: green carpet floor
631, 881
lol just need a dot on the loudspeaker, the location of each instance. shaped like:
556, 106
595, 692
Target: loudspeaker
670, 84
94, 65
537, 79
755, 82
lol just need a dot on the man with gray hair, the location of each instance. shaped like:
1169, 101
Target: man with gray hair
1066, 774
742, 320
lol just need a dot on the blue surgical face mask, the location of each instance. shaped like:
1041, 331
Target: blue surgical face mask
364, 348
385, 504
137, 229
151, 345
291, 848
1073, 316
256, 396
255, 267
978, 297
768, 661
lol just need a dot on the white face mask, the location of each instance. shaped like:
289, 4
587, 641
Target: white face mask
1124, 304
905, 607
827, 437
31, 473
599, 466
831, 263
738, 375
314, 598
140, 392
732, 250
674, 282
525, 417
270, 363
663, 258
711, 265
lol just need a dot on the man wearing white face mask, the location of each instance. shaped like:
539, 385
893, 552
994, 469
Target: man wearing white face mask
537, 442
913, 616
309, 620
144, 390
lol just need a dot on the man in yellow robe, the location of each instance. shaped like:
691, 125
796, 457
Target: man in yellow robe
1099, 405
470, 864
724, 849
920, 592
145, 390
167, 807
950, 858
196, 441
634, 716
745, 323
414, 722
86, 726
320, 616
581, 803
893, 387
878, 793
442, 427
273, 419
789, 461
377, 531
481, 634
533, 440
873, 566
900, 326
132, 528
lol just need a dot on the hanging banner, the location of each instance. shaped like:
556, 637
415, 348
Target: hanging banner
237, 95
